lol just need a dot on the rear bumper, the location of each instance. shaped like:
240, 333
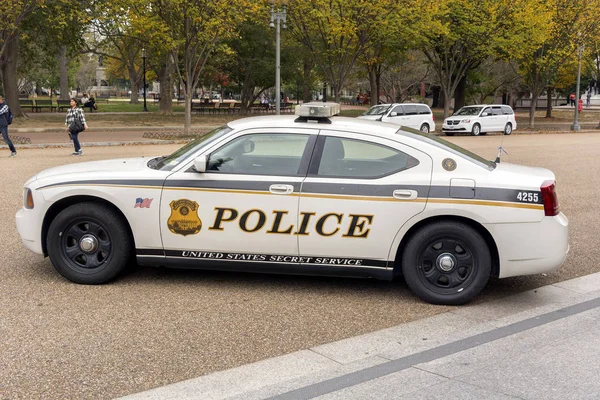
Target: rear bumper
531, 248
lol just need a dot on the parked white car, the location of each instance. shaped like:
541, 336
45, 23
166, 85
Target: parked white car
311, 194
481, 119
412, 115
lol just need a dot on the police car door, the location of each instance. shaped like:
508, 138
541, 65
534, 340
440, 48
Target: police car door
244, 207
359, 192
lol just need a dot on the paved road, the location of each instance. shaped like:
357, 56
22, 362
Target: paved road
154, 327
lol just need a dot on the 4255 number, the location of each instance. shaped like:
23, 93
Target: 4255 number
528, 197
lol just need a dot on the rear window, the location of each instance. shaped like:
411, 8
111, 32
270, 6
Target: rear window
446, 145
506, 110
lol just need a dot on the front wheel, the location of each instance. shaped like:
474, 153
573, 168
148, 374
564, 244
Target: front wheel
446, 263
476, 130
508, 129
89, 243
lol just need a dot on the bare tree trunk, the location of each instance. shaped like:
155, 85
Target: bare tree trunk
460, 93
307, 86
166, 86
135, 85
532, 108
372, 84
63, 63
447, 99
549, 91
8, 73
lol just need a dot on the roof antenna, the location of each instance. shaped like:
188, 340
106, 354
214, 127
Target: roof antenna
500, 150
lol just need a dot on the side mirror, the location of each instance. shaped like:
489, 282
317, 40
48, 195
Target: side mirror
485, 114
393, 114
200, 163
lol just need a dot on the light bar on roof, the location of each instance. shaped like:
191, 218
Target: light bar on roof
318, 110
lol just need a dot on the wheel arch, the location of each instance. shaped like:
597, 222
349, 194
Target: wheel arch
439, 218
61, 204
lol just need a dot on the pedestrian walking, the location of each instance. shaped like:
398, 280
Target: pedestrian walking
75, 124
580, 105
572, 97
588, 98
5, 120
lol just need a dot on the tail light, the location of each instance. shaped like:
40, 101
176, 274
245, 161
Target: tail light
432, 117
550, 198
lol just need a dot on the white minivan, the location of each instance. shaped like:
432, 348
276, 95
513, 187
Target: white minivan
413, 115
481, 119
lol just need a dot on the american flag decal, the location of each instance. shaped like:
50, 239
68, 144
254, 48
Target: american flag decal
142, 203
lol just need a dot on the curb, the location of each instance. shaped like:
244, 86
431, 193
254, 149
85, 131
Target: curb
292, 376
114, 129
96, 144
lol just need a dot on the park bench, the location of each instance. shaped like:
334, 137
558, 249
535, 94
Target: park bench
205, 107
42, 104
27, 104
103, 96
286, 108
259, 108
62, 104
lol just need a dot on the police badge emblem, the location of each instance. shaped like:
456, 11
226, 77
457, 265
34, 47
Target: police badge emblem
184, 219
449, 164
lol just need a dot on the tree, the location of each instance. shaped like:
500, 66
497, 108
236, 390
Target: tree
570, 24
464, 33
192, 29
336, 33
12, 13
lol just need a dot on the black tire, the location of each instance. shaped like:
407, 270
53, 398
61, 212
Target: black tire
424, 128
446, 263
449, 133
476, 130
102, 230
508, 129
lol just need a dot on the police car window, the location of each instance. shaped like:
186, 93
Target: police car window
350, 158
169, 162
260, 154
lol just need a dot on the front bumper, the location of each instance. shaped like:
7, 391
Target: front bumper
29, 228
531, 248
461, 127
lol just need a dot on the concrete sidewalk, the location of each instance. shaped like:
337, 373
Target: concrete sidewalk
541, 344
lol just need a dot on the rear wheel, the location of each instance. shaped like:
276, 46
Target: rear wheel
508, 129
476, 130
89, 243
425, 128
446, 263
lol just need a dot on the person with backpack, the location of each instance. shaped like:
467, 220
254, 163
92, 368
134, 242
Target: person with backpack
6, 118
75, 123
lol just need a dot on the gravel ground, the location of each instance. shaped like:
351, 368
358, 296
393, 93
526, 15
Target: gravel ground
153, 327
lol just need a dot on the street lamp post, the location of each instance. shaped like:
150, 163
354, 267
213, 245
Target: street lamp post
279, 15
575, 126
144, 68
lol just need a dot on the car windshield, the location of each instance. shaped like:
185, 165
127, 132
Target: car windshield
446, 145
169, 162
378, 110
468, 111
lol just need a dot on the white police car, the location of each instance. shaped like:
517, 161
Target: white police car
308, 194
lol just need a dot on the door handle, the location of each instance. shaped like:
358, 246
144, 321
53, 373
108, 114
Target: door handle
402, 194
281, 189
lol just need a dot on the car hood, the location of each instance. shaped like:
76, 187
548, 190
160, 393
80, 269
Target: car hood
371, 117
87, 169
